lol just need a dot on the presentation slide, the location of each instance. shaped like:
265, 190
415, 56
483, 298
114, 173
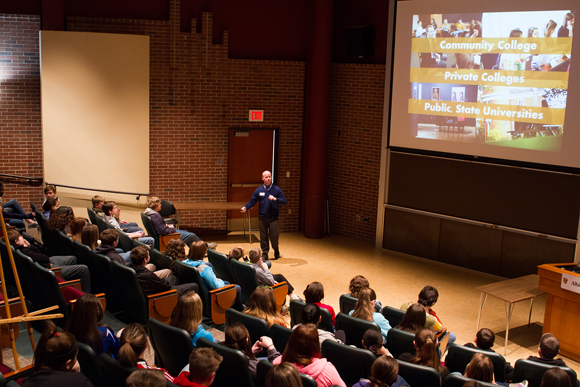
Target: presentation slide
487, 80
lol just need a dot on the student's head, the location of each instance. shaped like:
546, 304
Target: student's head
139, 256
236, 253
310, 314
133, 343
533, 32
238, 337
568, 20
314, 292
108, 207
77, 226
284, 375
109, 237
146, 378
87, 312
15, 237
365, 306
98, 201
188, 312
357, 284
90, 235
50, 191
154, 202
197, 251
255, 255
175, 249
384, 371
263, 299
373, 341
480, 368
550, 28
61, 218
556, 377
50, 204
203, 364
303, 345
426, 346
549, 346
414, 319
516, 33
485, 338
56, 350
428, 296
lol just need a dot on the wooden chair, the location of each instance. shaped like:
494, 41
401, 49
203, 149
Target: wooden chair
245, 276
161, 241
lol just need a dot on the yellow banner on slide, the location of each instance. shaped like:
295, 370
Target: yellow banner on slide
528, 46
540, 79
536, 115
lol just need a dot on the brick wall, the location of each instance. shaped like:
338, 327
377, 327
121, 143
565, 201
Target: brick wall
354, 148
20, 129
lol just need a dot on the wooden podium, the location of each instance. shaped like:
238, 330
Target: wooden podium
562, 315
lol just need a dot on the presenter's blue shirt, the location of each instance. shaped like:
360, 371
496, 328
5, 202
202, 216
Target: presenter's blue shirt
268, 208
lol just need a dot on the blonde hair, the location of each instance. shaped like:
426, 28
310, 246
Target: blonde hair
188, 313
364, 309
263, 305
153, 202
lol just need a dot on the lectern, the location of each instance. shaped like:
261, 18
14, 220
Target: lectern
562, 315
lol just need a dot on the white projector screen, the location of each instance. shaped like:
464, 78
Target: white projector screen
95, 110
487, 79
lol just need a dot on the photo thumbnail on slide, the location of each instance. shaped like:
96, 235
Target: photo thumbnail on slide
498, 78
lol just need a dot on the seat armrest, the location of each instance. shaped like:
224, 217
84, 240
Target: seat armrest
161, 305
74, 283
221, 300
164, 240
280, 291
57, 271
101, 297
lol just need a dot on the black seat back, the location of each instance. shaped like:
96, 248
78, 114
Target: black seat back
148, 224
127, 287
354, 328
233, 370
89, 363
296, 316
172, 346
458, 357
351, 363
399, 342
189, 274
457, 380
47, 286
347, 303
280, 336
395, 316
8, 275
221, 265
92, 215
533, 372
114, 373
160, 260
245, 276
256, 326
418, 375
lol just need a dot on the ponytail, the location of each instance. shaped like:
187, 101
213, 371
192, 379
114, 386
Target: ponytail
55, 349
427, 354
133, 344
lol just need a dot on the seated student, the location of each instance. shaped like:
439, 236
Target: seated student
197, 251
108, 247
556, 377
90, 236
365, 310
237, 253
188, 314
149, 282
426, 352
311, 315
384, 373
61, 219
110, 210
55, 361
415, 318
263, 305
485, 339
133, 345
264, 275
283, 374
146, 378
481, 368
203, 365
76, 228
373, 341
428, 297
358, 283
37, 252
548, 349
314, 293
49, 192
13, 210
49, 206
98, 204
153, 207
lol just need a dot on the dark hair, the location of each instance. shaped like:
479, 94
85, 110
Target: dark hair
97, 199
314, 292
556, 377
384, 371
428, 296
49, 203
531, 31
90, 236
175, 249
108, 206
480, 368
310, 314
549, 345
49, 187
146, 378
133, 343
357, 284
54, 349
373, 341
414, 319
139, 254
303, 345
61, 219
284, 375
197, 251
76, 227
236, 253
485, 338
203, 362
109, 236
516, 33
427, 354
237, 337
84, 321
364, 309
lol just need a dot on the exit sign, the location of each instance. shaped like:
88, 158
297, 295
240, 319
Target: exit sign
256, 115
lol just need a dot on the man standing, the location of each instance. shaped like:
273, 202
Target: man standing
270, 197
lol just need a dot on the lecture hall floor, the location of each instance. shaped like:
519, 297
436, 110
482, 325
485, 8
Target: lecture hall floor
397, 278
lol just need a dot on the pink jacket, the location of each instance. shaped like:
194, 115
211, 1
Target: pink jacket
321, 370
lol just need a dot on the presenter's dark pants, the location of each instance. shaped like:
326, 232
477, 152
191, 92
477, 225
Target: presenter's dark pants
269, 232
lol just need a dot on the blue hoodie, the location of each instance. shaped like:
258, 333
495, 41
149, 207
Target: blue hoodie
210, 281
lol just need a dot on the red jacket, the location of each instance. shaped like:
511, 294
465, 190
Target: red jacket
183, 380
